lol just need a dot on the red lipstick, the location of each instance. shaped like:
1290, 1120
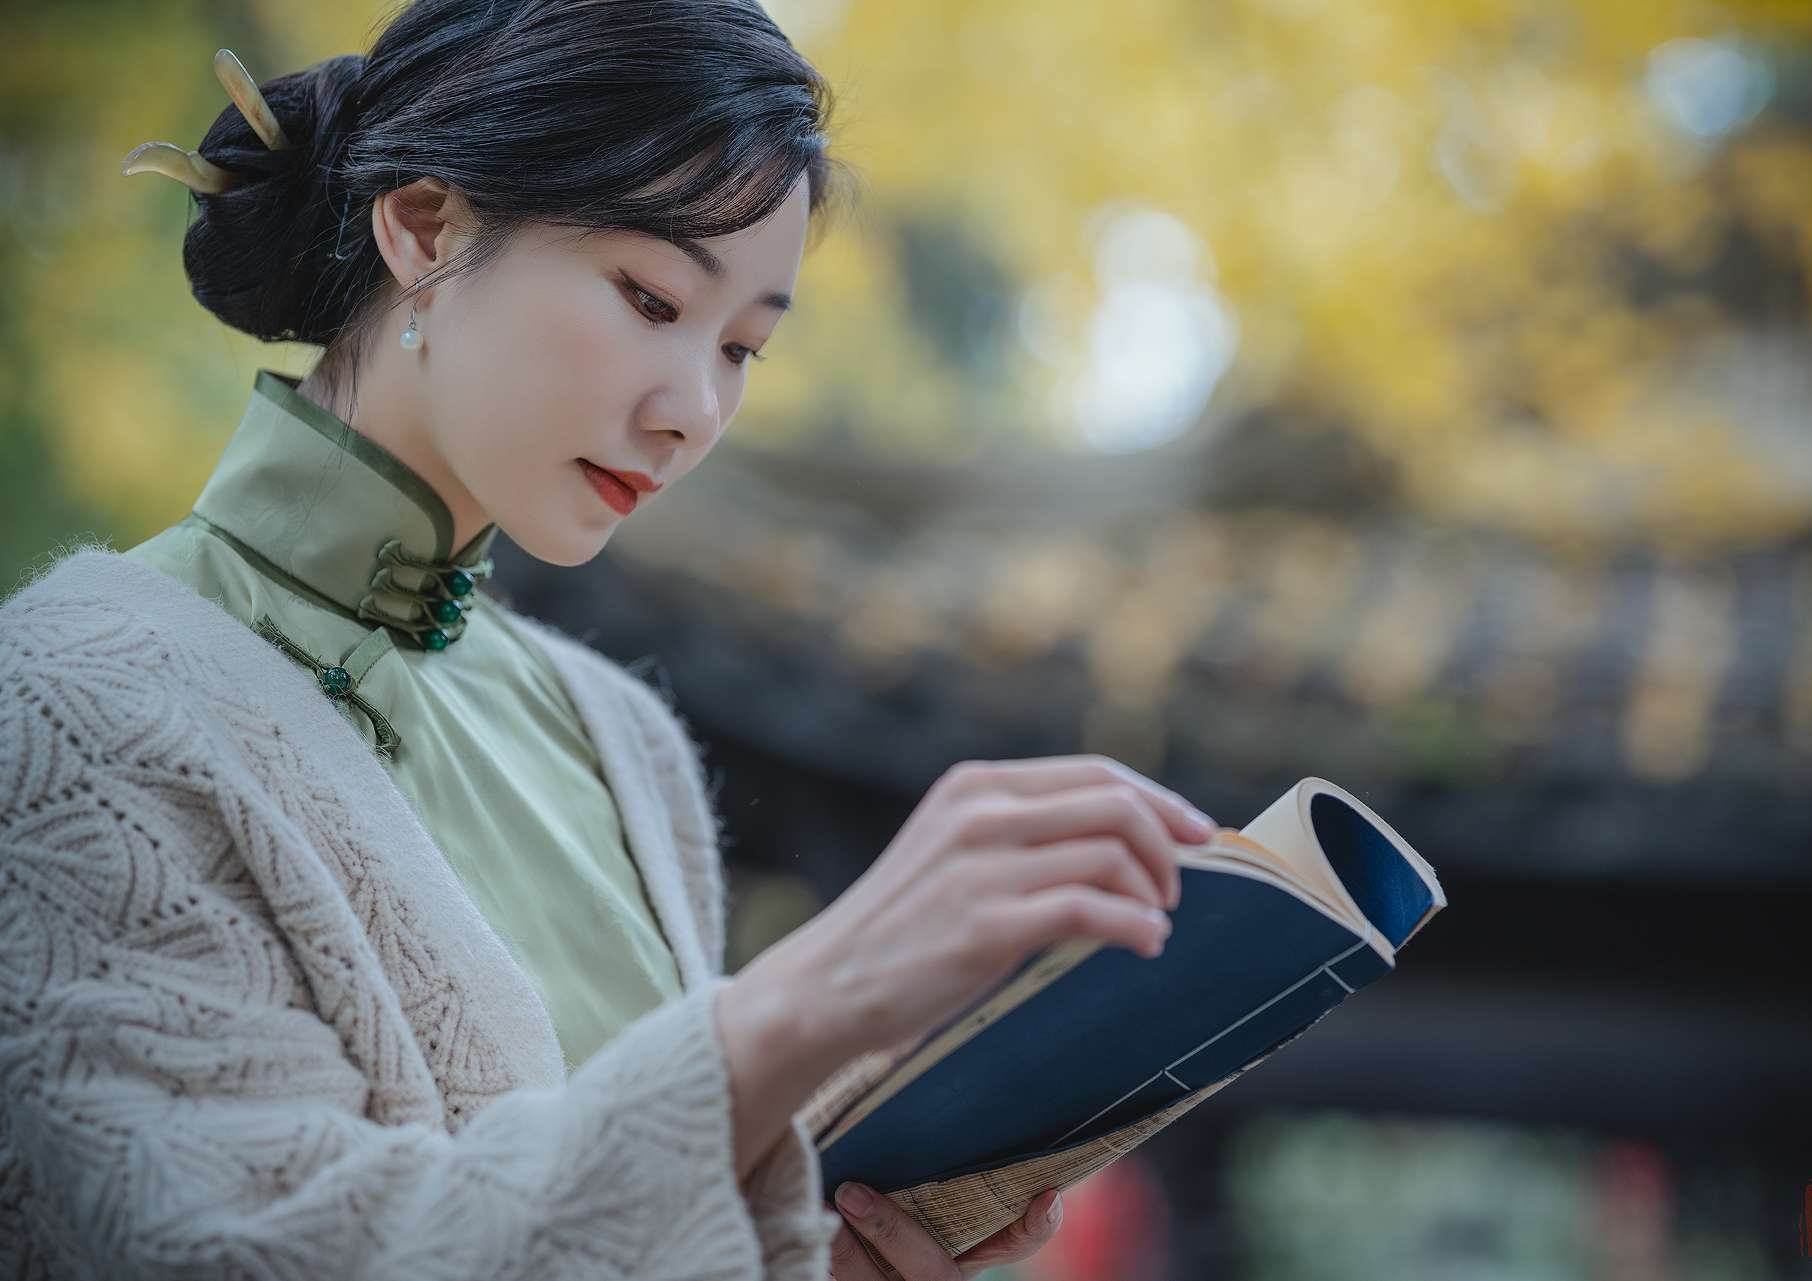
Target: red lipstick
617, 489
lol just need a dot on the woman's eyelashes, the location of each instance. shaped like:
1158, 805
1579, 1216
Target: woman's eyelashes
667, 314
639, 295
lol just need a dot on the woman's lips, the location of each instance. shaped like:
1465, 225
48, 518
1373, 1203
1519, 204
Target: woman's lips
613, 491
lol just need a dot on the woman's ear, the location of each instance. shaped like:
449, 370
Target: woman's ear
415, 227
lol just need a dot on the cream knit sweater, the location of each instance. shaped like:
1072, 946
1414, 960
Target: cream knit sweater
251, 1026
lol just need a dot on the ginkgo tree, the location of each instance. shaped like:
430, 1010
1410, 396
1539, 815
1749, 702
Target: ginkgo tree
1532, 254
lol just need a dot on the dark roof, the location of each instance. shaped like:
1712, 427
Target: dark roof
877, 622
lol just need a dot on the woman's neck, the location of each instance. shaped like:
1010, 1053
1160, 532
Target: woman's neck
379, 404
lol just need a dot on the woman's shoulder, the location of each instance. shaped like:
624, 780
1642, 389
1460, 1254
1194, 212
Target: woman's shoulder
195, 556
107, 661
82, 584
106, 635
160, 579
141, 677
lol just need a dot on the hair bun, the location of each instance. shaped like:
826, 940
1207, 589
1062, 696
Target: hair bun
255, 255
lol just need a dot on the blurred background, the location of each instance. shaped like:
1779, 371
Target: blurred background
1418, 396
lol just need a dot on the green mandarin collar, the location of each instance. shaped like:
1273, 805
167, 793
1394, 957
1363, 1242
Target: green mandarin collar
341, 519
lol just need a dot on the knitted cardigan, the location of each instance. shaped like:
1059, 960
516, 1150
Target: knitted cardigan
251, 1025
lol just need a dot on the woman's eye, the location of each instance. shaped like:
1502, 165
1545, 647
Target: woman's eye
668, 315
641, 294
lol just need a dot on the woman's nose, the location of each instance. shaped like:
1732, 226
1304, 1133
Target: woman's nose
689, 406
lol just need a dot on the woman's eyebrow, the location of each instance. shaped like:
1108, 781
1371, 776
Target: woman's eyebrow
713, 266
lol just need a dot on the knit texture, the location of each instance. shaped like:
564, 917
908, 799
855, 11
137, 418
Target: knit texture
251, 1025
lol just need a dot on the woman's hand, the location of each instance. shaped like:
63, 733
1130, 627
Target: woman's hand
998, 859
897, 1237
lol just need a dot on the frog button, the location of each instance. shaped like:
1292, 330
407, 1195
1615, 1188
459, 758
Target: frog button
335, 680
445, 611
458, 582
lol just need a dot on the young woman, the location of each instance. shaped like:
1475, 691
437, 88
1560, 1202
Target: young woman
352, 924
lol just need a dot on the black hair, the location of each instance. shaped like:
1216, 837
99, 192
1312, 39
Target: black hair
675, 118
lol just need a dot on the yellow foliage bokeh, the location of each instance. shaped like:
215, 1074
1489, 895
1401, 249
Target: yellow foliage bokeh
1412, 211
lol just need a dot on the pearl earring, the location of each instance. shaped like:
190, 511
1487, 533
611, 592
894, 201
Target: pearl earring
412, 338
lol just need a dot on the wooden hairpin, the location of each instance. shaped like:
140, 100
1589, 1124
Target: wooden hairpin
191, 168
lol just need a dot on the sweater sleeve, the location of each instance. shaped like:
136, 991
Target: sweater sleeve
785, 1191
162, 1120
201, 1075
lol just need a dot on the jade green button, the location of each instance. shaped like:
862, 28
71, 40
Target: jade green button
458, 582
335, 680
435, 639
446, 611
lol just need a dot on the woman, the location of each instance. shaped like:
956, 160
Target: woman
356, 925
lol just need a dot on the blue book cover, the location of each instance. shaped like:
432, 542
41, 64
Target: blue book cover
1279, 922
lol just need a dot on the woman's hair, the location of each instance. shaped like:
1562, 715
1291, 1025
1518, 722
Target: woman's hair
676, 118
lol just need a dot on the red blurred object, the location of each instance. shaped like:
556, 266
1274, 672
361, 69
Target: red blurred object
1805, 1224
1116, 1227
1632, 1214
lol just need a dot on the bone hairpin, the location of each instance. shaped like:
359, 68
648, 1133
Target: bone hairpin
191, 168
245, 95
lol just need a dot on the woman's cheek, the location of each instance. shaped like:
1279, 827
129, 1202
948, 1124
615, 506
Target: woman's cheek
571, 326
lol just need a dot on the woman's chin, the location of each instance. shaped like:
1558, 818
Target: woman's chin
572, 544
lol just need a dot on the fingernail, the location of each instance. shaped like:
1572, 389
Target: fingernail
1160, 918
1203, 826
855, 1198
1056, 1211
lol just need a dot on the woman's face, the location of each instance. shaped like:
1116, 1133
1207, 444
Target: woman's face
614, 347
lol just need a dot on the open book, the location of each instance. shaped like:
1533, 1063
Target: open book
1086, 1049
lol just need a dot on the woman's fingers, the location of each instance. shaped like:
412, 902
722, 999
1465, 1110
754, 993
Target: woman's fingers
895, 1235
1101, 861
1017, 925
1033, 776
1114, 808
848, 1261
1020, 1239
919, 932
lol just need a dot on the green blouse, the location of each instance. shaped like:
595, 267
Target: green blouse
339, 554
